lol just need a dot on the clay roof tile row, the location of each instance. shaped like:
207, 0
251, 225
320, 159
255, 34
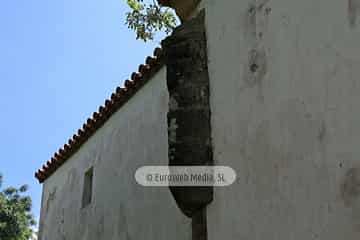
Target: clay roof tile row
117, 99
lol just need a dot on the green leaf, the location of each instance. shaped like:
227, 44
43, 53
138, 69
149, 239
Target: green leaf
146, 19
15, 217
24, 188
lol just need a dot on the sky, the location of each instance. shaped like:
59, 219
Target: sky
59, 61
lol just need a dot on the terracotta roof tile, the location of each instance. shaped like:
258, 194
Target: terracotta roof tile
118, 98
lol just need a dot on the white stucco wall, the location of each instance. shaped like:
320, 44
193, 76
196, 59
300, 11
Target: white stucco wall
292, 135
134, 136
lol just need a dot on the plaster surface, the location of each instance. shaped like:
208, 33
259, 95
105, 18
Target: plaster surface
285, 97
134, 136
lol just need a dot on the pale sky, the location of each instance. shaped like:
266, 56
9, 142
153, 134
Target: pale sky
59, 61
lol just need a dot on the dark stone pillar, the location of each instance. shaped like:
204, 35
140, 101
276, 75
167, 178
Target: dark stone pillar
189, 128
199, 225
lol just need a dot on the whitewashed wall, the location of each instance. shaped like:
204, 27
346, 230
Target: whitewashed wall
292, 130
134, 136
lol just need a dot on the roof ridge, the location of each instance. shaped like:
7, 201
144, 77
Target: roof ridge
115, 102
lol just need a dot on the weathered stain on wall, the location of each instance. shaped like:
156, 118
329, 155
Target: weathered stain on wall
351, 187
255, 71
255, 28
353, 11
51, 197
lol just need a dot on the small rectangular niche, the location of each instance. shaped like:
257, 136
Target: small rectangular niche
87, 188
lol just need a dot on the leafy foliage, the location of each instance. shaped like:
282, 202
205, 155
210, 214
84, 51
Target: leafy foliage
15, 216
147, 18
